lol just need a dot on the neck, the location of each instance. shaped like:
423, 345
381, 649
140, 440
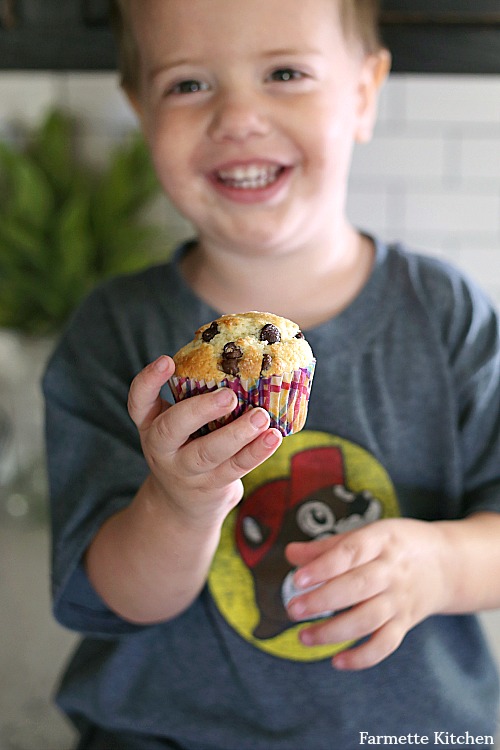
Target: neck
307, 285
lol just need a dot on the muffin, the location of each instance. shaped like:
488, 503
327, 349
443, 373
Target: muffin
264, 358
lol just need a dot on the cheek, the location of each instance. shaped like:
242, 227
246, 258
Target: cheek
184, 187
337, 141
330, 129
330, 158
171, 154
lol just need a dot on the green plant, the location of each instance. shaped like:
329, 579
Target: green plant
65, 226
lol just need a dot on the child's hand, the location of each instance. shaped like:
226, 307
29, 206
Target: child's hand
201, 478
390, 574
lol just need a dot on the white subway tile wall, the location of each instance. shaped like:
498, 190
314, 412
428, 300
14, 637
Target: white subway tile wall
430, 176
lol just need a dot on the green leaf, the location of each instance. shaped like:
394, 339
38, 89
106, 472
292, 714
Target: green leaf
52, 150
125, 188
28, 302
29, 196
74, 241
21, 245
132, 247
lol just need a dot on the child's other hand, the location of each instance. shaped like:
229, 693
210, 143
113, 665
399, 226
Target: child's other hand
387, 576
201, 478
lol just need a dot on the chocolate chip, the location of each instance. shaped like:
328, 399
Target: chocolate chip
266, 363
230, 356
299, 335
230, 366
270, 334
210, 332
231, 351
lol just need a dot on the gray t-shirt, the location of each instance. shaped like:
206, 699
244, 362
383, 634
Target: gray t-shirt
404, 419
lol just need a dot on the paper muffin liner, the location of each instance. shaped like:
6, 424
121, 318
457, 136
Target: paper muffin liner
285, 397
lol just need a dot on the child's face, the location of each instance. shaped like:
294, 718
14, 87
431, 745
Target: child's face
251, 110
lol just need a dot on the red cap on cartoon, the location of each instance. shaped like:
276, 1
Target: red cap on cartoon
312, 470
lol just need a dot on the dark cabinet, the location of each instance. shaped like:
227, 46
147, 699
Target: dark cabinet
443, 36
425, 36
56, 35
441, 11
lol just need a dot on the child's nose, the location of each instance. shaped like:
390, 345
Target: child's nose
237, 117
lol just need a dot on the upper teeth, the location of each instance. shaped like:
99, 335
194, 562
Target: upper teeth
249, 176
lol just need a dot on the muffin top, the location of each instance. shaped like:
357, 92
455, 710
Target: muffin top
246, 345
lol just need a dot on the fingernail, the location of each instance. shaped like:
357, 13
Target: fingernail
302, 580
161, 364
272, 439
306, 638
224, 397
259, 418
296, 609
339, 662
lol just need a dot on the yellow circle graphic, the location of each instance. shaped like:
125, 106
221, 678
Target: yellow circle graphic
232, 581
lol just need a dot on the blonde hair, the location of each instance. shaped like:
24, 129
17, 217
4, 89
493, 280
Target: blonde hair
360, 20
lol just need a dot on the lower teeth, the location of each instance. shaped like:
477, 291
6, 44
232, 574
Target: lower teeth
249, 184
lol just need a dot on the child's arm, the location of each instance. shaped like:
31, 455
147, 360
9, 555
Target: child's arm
149, 561
391, 575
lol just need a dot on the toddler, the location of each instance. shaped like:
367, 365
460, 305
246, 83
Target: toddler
241, 591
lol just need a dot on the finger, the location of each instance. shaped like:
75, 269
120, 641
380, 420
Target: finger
350, 625
211, 451
335, 555
174, 428
144, 402
254, 454
231, 472
351, 588
302, 553
378, 647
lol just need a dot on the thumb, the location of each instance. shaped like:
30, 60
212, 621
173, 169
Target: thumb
144, 401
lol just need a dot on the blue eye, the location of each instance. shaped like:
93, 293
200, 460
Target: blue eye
286, 74
188, 87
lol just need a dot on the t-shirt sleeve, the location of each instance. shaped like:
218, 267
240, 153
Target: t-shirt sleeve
474, 339
95, 462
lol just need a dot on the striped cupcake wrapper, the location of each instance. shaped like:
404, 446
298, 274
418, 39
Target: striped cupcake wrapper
285, 397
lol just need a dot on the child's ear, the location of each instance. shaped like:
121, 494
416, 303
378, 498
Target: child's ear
375, 70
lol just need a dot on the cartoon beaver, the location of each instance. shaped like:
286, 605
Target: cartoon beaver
313, 503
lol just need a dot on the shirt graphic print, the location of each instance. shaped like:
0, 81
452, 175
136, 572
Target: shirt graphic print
314, 486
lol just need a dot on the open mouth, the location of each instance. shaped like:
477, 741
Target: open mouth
250, 177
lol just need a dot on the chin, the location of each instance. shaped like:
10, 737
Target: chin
255, 238
262, 248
